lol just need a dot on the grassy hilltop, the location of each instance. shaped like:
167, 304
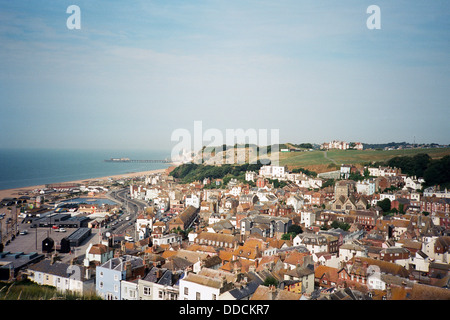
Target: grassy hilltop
321, 161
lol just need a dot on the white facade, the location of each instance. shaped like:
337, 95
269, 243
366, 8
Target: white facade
192, 200
387, 196
365, 187
413, 183
250, 175
296, 202
151, 194
143, 226
272, 171
307, 218
190, 290
348, 251
129, 290
172, 238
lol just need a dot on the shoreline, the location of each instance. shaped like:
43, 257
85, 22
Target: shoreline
14, 192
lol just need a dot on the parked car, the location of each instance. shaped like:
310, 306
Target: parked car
61, 230
23, 232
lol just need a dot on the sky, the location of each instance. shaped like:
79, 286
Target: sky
136, 71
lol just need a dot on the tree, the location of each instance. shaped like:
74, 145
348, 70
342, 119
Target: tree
341, 225
385, 204
270, 281
287, 236
295, 229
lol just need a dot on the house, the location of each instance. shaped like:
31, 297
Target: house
358, 269
243, 290
144, 225
159, 284
204, 286
272, 172
110, 274
98, 254
216, 240
192, 200
307, 218
129, 290
185, 219
350, 250
366, 218
366, 187
296, 201
63, 276
304, 274
326, 277
273, 293
313, 242
250, 175
396, 255
168, 239
265, 225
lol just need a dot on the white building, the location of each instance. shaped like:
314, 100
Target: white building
129, 290
63, 276
206, 285
272, 172
172, 238
151, 193
296, 202
192, 200
349, 250
413, 183
307, 218
313, 242
335, 144
250, 175
144, 225
98, 253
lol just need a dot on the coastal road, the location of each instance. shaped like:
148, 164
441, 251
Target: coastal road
132, 208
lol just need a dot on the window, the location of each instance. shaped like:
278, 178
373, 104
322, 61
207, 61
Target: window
160, 294
197, 295
214, 297
147, 291
186, 290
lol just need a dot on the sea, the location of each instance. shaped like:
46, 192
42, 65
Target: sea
30, 167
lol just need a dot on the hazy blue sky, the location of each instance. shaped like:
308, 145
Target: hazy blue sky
138, 70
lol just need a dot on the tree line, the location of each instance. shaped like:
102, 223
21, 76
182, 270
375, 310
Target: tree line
433, 171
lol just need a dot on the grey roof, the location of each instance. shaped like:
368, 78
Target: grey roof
18, 260
165, 277
246, 290
57, 268
118, 264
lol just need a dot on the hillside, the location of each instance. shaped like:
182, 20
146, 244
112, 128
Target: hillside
322, 161
314, 160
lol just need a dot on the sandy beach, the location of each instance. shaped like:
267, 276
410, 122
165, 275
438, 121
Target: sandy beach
18, 192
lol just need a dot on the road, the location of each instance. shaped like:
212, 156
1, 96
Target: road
132, 208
